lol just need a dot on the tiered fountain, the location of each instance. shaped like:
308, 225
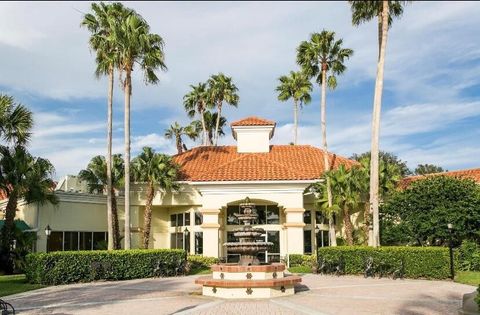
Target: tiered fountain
248, 278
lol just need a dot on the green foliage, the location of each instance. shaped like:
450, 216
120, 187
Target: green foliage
210, 123
389, 159
16, 121
364, 11
95, 175
423, 169
421, 212
296, 86
477, 298
296, 260
14, 284
300, 269
176, 132
418, 262
469, 256
85, 266
198, 263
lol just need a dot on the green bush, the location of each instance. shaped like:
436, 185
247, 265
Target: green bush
196, 263
477, 298
84, 266
301, 260
418, 262
469, 256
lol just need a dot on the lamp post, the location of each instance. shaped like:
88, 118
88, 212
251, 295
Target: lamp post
48, 231
315, 242
185, 242
450, 230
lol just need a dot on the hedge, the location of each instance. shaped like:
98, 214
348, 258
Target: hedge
296, 260
199, 262
84, 266
418, 262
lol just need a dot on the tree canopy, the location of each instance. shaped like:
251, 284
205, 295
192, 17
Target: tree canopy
423, 169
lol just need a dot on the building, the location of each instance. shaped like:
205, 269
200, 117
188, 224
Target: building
473, 174
199, 217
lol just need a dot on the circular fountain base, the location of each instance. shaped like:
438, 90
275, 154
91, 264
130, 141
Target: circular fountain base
233, 281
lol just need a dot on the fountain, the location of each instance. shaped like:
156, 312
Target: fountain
248, 278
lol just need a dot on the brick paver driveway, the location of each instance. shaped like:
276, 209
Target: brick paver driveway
317, 295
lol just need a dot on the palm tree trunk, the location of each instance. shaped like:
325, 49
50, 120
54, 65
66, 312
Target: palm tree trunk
147, 216
7, 231
366, 224
379, 33
111, 241
204, 127
326, 160
217, 125
178, 142
347, 222
377, 105
295, 120
128, 92
116, 228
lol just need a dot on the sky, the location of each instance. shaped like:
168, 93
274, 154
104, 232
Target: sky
431, 102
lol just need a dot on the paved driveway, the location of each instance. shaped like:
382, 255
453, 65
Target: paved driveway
317, 295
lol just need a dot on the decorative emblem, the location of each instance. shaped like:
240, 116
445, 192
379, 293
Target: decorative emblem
274, 275
282, 289
249, 291
214, 290
222, 276
249, 276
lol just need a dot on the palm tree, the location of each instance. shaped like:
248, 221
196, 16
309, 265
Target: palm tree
101, 24
157, 171
196, 102
135, 45
96, 177
318, 57
176, 132
362, 12
298, 87
22, 176
221, 89
16, 121
211, 123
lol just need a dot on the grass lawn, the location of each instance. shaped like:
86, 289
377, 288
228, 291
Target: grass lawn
300, 269
15, 284
468, 277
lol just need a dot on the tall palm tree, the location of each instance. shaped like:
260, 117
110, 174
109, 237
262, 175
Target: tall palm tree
96, 177
211, 123
323, 58
222, 89
157, 171
101, 24
298, 87
176, 131
196, 102
135, 45
16, 121
362, 12
22, 176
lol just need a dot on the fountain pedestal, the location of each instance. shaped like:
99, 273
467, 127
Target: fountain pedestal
233, 281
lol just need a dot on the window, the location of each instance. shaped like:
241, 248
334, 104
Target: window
232, 258
307, 217
273, 255
262, 215
266, 214
198, 243
273, 215
74, 240
322, 238
231, 218
307, 242
198, 218
180, 219
176, 240
319, 217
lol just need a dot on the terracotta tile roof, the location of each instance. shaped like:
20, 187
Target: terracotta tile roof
473, 173
3, 194
283, 162
253, 121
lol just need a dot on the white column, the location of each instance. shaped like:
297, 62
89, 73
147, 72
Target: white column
210, 227
294, 225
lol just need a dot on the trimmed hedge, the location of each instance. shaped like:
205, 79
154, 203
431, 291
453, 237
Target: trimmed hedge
199, 262
84, 266
418, 262
296, 260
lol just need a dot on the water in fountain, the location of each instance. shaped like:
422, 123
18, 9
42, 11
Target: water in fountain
249, 239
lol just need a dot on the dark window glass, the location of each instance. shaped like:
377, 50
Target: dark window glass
99, 240
198, 242
198, 218
230, 237
231, 219
179, 219
173, 241
307, 217
261, 214
319, 217
232, 258
274, 237
307, 242
273, 216
262, 257
322, 238
86, 241
187, 218
173, 220
70, 241
55, 242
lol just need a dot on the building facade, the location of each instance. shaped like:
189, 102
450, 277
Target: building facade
199, 216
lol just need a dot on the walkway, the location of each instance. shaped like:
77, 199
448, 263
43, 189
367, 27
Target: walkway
317, 295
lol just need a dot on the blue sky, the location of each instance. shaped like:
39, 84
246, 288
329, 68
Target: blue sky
431, 105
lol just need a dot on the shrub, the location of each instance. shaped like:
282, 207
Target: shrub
301, 260
84, 266
196, 263
469, 256
477, 298
418, 262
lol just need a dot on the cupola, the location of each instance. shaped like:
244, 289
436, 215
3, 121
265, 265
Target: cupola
253, 134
